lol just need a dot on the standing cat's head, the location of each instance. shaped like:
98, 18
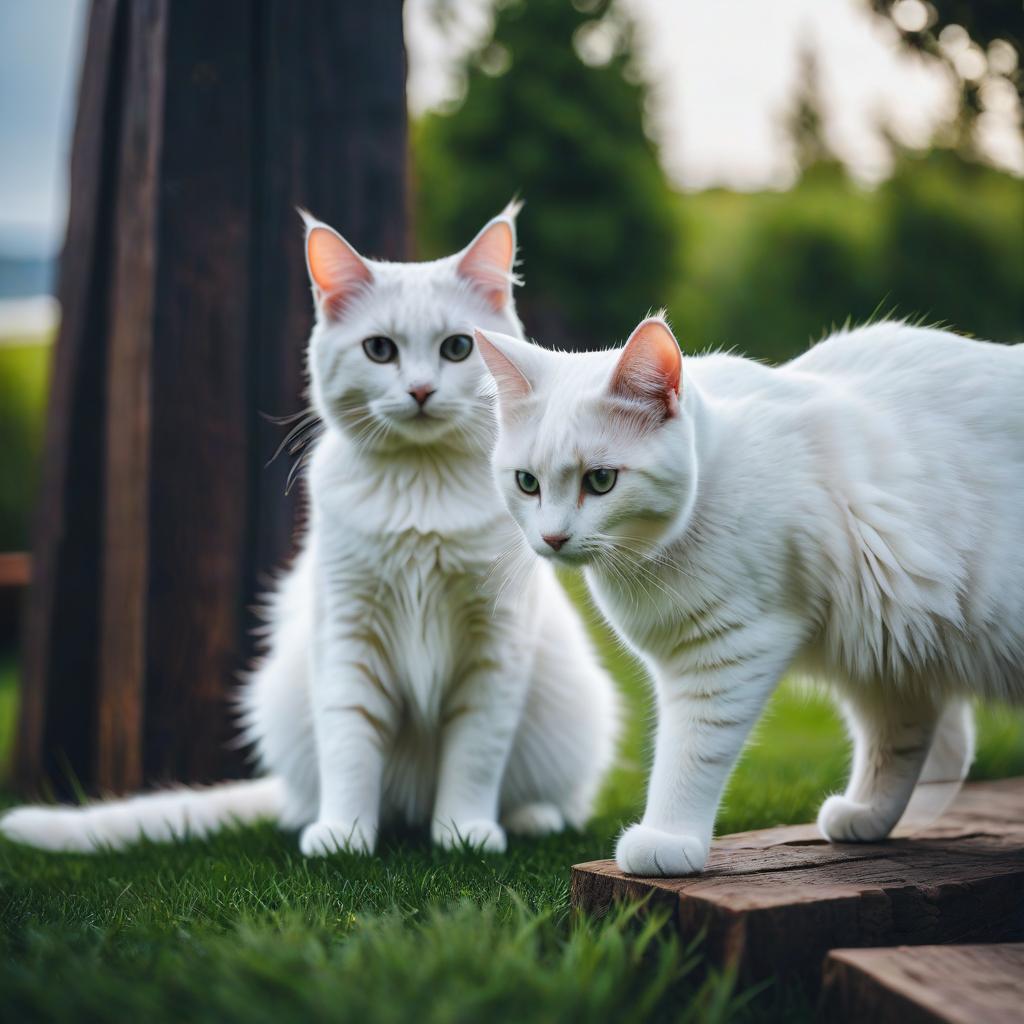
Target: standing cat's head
391, 357
595, 455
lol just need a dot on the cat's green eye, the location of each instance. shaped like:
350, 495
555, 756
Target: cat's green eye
599, 481
380, 349
528, 483
456, 348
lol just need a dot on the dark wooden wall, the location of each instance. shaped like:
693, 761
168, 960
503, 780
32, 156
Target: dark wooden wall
201, 126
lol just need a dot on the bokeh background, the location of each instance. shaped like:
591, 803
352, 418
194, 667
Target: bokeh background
764, 171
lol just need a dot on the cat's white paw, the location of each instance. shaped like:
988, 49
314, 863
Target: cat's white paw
643, 850
841, 820
323, 838
484, 835
534, 820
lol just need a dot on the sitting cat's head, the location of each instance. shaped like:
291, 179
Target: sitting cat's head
391, 356
595, 454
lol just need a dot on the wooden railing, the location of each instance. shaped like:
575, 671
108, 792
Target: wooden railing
15, 574
15, 570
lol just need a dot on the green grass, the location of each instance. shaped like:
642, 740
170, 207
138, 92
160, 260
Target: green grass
242, 927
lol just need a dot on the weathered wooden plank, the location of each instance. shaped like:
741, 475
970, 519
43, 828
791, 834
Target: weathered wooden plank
129, 415
332, 140
198, 487
774, 902
924, 985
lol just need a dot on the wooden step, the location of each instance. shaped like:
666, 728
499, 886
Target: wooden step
774, 902
924, 985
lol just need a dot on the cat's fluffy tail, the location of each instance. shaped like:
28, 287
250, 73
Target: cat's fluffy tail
160, 817
949, 760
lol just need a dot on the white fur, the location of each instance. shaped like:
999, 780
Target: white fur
856, 515
421, 667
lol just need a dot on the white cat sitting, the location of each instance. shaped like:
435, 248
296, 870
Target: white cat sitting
856, 515
407, 677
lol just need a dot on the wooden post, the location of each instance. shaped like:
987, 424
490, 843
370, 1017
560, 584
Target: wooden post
201, 127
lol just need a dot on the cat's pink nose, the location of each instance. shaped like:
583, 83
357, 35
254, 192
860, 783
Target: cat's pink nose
421, 393
555, 540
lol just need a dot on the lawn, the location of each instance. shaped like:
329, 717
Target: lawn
241, 927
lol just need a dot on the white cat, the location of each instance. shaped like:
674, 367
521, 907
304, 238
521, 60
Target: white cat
406, 677
856, 515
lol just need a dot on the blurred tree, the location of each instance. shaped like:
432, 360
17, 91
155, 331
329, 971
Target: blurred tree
951, 246
554, 112
805, 122
984, 20
980, 41
940, 240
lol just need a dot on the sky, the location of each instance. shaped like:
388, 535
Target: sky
40, 55
721, 72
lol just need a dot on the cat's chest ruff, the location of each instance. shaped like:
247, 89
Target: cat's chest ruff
422, 607
646, 608
681, 625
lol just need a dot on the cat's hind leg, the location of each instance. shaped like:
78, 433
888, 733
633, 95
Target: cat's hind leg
892, 739
949, 760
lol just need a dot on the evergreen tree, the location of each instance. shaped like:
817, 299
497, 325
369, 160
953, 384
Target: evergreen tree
805, 122
599, 234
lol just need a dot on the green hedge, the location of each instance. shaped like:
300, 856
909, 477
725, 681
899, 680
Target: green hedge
24, 366
769, 273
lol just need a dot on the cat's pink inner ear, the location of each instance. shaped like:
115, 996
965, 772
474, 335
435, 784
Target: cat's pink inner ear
512, 382
488, 262
335, 268
650, 367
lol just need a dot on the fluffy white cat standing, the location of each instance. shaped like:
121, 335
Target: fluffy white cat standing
418, 668
856, 514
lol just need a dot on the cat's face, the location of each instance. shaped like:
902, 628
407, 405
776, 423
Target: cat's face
392, 358
595, 451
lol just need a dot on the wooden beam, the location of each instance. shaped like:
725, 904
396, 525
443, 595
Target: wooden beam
130, 342
924, 985
774, 902
201, 127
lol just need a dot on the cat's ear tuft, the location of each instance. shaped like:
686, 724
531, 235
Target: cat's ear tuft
498, 352
650, 367
487, 262
336, 270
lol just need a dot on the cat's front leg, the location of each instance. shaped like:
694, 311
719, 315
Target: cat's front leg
891, 740
354, 718
704, 717
481, 724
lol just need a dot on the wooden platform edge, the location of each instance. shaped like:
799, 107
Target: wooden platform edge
774, 902
955, 984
